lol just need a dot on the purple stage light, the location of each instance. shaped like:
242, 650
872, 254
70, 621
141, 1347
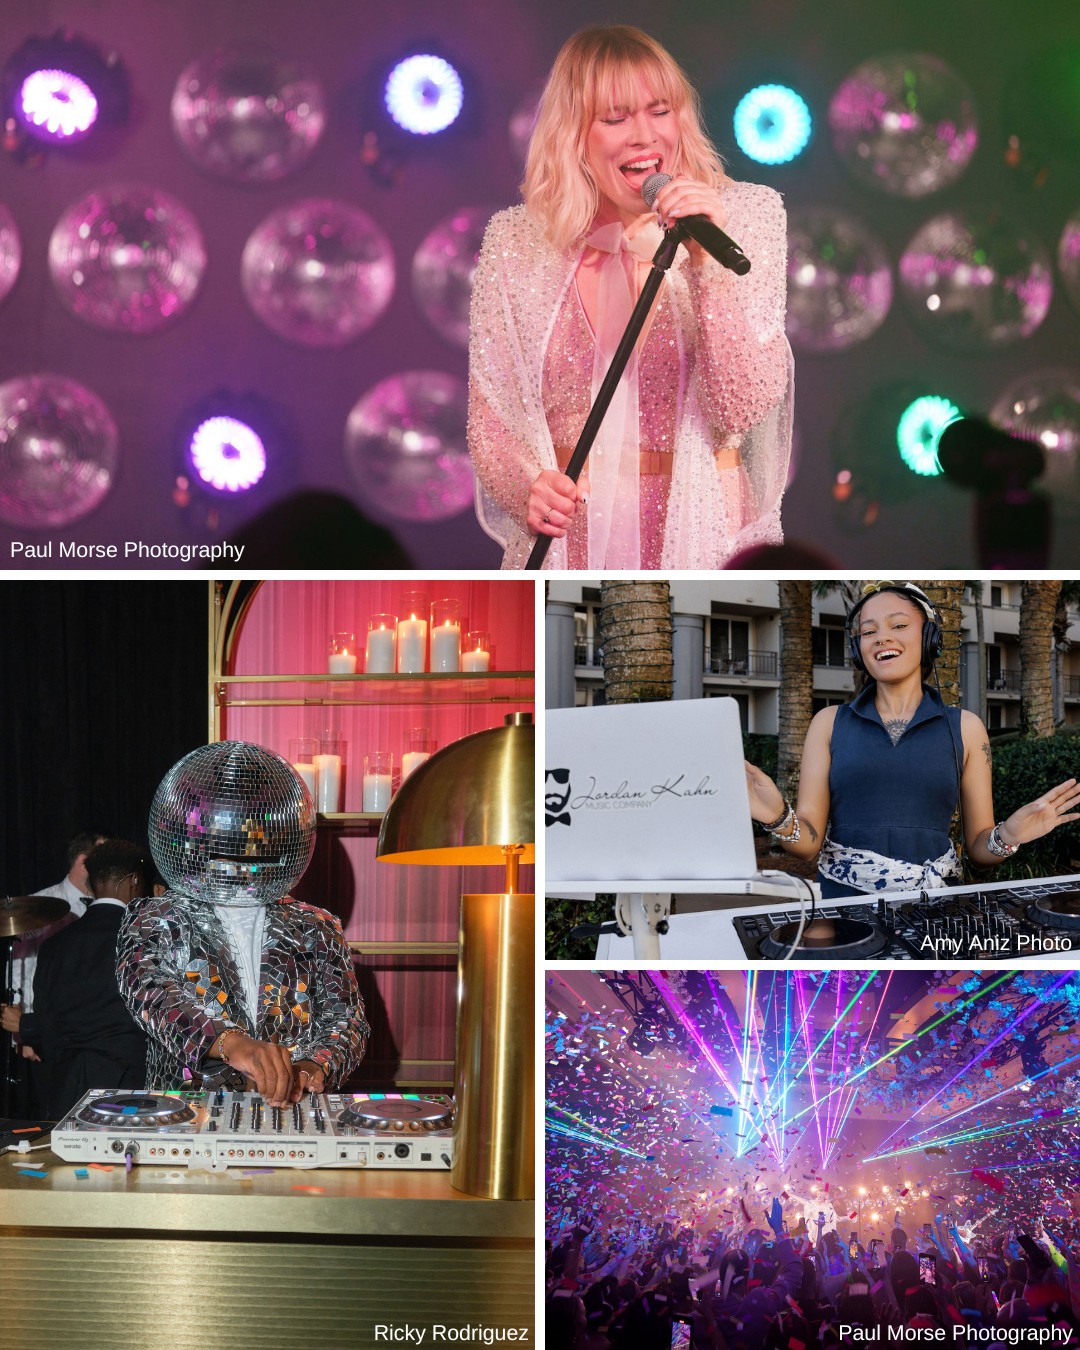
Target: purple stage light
424, 94
56, 105
226, 455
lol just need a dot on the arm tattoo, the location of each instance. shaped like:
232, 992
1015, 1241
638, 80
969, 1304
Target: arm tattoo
809, 830
986, 752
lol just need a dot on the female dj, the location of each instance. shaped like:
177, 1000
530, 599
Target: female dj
881, 775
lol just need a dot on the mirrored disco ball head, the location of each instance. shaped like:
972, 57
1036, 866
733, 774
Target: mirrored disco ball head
247, 116
129, 259
232, 824
59, 448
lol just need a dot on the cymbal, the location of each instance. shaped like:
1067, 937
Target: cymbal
24, 913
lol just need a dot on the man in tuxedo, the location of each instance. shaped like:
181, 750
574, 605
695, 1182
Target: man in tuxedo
86, 1035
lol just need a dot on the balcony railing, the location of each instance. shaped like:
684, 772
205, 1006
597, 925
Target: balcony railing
1070, 686
588, 654
1005, 681
763, 665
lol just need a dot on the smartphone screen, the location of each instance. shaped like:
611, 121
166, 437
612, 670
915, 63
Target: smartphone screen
681, 1334
984, 1267
875, 1260
853, 1248
928, 1268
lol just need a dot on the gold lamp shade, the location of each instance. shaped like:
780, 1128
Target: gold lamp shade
469, 803
472, 803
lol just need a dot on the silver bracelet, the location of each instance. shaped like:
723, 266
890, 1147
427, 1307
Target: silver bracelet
790, 818
997, 846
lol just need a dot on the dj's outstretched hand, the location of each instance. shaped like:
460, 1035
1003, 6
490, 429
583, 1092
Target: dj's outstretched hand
1046, 813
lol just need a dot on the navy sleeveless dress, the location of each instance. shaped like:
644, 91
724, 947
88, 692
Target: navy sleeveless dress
897, 800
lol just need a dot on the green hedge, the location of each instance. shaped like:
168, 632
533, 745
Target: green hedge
1023, 770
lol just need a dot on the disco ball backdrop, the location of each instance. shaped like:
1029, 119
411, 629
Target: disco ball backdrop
939, 167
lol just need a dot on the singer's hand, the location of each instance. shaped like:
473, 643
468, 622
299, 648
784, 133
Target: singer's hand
687, 197
553, 500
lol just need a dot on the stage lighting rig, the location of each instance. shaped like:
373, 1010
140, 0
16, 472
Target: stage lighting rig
60, 91
652, 1021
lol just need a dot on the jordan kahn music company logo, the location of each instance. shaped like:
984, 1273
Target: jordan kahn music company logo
557, 793
560, 800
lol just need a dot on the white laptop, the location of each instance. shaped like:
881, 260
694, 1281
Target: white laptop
647, 790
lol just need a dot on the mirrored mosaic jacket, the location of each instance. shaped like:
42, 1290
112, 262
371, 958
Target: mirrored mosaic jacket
177, 974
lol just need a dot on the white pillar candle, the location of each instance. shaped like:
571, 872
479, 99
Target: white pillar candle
475, 660
343, 663
377, 791
328, 781
411, 645
446, 647
307, 773
412, 759
379, 654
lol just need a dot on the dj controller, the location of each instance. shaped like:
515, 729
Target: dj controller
1008, 923
239, 1129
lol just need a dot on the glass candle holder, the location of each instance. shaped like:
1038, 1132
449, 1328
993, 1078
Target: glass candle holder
412, 634
477, 653
329, 774
419, 746
302, 752
446, 635
378, 780
380, 652
342, 654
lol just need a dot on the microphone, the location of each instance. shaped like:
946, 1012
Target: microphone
701, 229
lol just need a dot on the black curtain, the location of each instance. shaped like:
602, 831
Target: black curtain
103, 686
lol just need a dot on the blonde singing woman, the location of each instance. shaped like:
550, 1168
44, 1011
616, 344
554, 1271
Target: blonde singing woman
691, 460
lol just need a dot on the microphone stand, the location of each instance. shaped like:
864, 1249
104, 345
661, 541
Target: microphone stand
662, 260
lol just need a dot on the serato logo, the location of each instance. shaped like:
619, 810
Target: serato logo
557, 796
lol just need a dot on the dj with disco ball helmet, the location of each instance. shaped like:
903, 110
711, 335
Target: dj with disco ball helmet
233, 978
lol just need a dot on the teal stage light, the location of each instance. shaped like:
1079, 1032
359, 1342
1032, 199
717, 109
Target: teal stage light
919, 430
772, 124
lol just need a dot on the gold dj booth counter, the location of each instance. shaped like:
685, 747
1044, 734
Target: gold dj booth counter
166, 1258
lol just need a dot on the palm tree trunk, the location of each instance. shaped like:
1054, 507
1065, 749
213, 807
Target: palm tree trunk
1038, 600
796, 680
636, 639
948, 601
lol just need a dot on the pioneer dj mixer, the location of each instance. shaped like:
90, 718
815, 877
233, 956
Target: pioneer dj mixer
1027, 919
234, 1129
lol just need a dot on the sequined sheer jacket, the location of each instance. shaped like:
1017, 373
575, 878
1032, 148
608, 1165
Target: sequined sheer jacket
177, 974
734, 383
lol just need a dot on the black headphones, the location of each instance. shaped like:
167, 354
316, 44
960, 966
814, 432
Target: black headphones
931, 633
